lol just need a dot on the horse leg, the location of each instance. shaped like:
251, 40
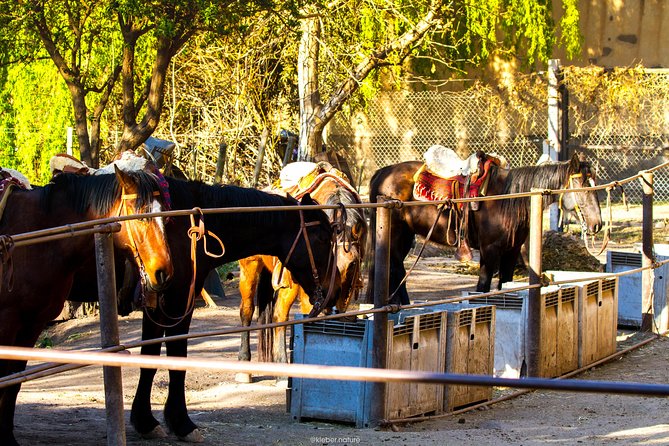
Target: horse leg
401, 245
488, 265
8, 404
248, 284
246, 310
140, 415
508, 265
176, 413
284, 302
8, 395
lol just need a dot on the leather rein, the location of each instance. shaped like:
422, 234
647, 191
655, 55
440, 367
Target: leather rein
303, 233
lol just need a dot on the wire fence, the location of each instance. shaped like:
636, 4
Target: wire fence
618, 117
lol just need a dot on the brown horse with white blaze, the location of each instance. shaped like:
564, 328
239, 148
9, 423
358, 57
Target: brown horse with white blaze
32, 294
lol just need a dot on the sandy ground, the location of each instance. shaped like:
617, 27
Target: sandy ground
68, 409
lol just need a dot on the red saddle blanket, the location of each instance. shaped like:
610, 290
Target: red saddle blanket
430, 187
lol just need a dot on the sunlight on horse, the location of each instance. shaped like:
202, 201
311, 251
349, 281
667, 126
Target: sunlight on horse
37, 278
497, 228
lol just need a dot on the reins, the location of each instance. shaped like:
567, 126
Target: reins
6, 248
196, 232
302, 232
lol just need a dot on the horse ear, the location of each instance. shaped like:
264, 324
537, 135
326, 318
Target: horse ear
575, 163
122, 177
307, 200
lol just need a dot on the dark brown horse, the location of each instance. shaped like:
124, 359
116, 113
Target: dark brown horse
275, 300
34, 291
498, 228
285, 234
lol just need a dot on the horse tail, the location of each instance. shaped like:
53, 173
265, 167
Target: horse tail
265, 296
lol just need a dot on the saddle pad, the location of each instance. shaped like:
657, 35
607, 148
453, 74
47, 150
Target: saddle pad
300, 178
430, 187
64, 163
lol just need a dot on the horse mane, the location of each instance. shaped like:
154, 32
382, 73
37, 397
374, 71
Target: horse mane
345, 196
97, 193
514, 212
188, 194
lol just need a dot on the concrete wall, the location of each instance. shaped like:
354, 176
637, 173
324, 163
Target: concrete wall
622, 33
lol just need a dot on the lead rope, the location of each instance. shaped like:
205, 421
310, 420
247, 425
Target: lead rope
6, 248
195, 233
440, 209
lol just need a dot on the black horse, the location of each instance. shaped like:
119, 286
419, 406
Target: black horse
284, 234
498, 228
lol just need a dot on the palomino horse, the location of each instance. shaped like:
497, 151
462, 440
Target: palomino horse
34, 289
498, 228
302, 238
274, 306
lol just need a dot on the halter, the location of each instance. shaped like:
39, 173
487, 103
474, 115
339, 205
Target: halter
123, 206
319, 300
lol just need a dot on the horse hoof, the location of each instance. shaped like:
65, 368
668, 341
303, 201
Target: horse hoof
244, 378
157, 432
194, 437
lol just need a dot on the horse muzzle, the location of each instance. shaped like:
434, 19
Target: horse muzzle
159, 282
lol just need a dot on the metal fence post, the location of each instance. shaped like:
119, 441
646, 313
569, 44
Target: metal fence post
381, 291
648, 275
109, 336
534, 297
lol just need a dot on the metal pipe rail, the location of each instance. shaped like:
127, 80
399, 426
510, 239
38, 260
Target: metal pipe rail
327, 372
390, 204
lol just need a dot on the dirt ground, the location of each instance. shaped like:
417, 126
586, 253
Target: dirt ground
68, 409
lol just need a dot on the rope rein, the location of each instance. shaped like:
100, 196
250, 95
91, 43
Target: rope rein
6, 275
196, 232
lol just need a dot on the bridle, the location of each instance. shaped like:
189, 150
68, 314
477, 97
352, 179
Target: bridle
124, 209
303, 233
570, 185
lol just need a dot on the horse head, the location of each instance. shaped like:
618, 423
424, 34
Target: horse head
310, 259
144, 237
584, 204
351, 232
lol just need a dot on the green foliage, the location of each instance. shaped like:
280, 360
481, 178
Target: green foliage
570, 37
36, 111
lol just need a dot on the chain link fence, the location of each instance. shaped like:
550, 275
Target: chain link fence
620, 119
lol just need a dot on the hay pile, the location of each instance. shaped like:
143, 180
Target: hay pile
567, 252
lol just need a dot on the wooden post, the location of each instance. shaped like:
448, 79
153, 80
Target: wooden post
534, 299
109, 336
220, 162
381, 291
195, 174
647, 276
261, 155
291, 143
553, 146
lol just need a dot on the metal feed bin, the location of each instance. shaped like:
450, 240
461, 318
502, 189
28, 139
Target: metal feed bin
598, 313
470, 350
629, 294
416, 342
559, 330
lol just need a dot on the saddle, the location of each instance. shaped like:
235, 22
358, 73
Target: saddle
10, 179
300, 178
470, 179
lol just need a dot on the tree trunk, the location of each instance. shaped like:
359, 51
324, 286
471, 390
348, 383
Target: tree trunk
315, 115
311, 137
